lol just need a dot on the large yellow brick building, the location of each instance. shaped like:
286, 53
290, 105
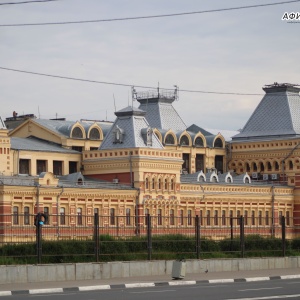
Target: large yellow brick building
149, 161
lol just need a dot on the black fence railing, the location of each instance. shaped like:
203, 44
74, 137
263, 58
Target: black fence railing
105, 238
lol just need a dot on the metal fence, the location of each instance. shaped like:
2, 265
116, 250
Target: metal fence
150, 232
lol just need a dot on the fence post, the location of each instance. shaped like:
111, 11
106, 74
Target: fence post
39, 220
149, 236
242, 236
197, 228
39, 244
96, 236
283, 235
231, 234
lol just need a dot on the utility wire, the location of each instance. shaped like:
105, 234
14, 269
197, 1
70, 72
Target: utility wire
151, 16
123, 84
27, 2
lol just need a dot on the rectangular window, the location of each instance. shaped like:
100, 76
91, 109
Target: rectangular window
62, 216
246, 217
260, 218
223, 217
159, 217
253, 217
189, 217
238, 215
41, 166
46, 212
72, 167
181, 217
16, 215
79, 216
112, 217
208, 218
288, 218
201, 217
216, 218
26, 215
128, 216
57, 167
24, 166
172, 217
267, 218
146, 216
280, 218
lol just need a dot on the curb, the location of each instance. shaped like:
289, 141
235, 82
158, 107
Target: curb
140, 285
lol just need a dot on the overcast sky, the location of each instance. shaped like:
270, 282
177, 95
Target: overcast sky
236, 51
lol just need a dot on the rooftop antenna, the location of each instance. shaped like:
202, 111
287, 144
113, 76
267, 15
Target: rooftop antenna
133, 95
38, 112
158, 89
176, 92
114, 102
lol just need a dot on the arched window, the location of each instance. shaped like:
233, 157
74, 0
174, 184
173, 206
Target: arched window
166, 184
247, 167
276, 166
184, 141
153, 183
77, 133
214, 179
199, 142
170, 139
94, 134
262, 167
254, 167
172, 184
269, 166
291, 166
228, 179
159, 183
218, 143
147, 183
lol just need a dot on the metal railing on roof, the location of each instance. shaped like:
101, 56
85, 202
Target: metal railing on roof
156, 94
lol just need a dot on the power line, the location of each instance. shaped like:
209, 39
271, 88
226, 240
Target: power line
150, 16
27, 2
124, 84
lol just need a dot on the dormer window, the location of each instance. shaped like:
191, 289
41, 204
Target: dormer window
184, 141
77, 133
94, 134
218, 143
199, 142
170, 139
119, 135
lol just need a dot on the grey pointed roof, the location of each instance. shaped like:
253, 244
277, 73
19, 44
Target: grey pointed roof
161, 114
195, 128
133, 123
278, 114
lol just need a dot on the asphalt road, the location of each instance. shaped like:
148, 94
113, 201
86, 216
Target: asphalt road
256, 290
